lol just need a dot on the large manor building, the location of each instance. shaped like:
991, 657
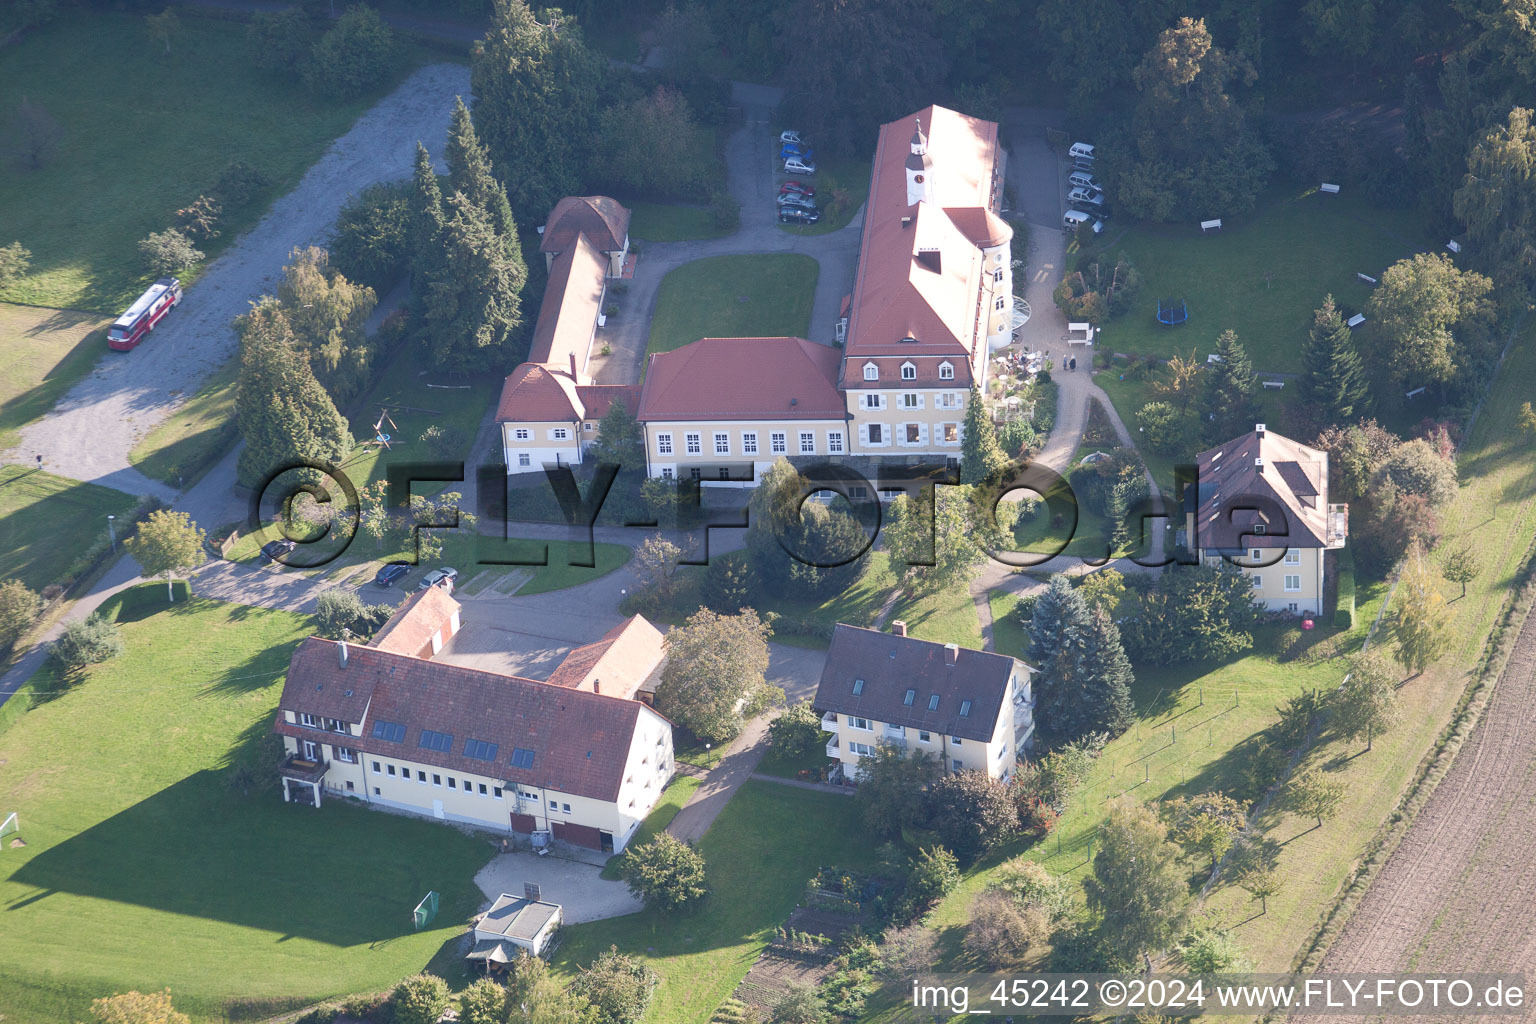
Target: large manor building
932, 296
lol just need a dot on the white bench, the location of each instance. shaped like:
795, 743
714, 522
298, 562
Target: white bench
1453, 245
1415, 393
1079, 334
1367, 278
1210, 225
1356, 320
1214, 357
1275, 384
1332, 190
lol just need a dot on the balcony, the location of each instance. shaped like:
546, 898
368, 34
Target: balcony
832, 748
829, 721
301, 769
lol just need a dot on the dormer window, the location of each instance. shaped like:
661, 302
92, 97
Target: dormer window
871, 371
946, 371
908, 371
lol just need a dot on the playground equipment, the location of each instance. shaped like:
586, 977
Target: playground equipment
1171, 312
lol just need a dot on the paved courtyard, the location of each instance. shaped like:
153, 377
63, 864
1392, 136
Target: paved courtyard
580, 889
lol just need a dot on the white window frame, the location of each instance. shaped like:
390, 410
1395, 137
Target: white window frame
861, 749
524, 460
1292, 556
521, 433
694, 443
722, 444
663, 444
749, 442
779, 442
946, 370
834, 442
871, 371
1293, 587
560, 434
807, 442
874, 401
861, 724
666, 472
878, 430
911, 400
909, 371
1258, 581
918, 427
947, 427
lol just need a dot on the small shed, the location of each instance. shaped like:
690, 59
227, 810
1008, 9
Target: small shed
512, 925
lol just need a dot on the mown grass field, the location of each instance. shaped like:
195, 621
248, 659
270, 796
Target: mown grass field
45, 351
144, 869
188, 440
677, 793
760, 296
670, 222
142, 134
38, 510
767, 843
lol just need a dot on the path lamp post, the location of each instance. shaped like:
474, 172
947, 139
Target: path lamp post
111, 531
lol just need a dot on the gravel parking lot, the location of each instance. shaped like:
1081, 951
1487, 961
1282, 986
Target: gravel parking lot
89, 433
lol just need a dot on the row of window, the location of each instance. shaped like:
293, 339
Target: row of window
778, 443
1292, 583
896, 731
867, 750
555, 433
312, 753
911, 433
1292, 555
874, 401
909, 371
464, 785
327, 724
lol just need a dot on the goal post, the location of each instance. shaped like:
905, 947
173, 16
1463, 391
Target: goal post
425, 911
9, 827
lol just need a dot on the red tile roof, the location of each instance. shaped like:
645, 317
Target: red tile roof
537, 394
409, 631
597, 398
573, 298
890, 665
920, 265
580, 741
743, 379
1293, 483
601, 219
618, 665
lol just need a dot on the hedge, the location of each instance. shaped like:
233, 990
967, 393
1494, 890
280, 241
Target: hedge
1344, 613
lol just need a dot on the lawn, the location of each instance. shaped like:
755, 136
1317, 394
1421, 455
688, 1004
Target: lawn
762, 296
766, 844
144, 869
842, 187
670, 222
1309, 243
45, 352
677, 793
38, 510
143, 134
201, 429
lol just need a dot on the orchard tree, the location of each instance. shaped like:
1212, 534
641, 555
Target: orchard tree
1314, 795
1332, 376
537, 91
1230, 383
1261, 882
1421, 619
981, 457
168, 252
1420, 306
971, 813
796, 730
1366, 703
1461, 566
1207, 824
163, 27
1137, 889
19, 608
618, 986
665, 872
716, 673
168, 544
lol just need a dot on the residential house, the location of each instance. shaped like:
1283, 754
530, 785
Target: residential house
548, 417
1261, 503
972, 710
459, 744
626, 662
603, 221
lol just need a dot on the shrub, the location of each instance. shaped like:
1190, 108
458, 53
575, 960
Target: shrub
618, 986
371, 241
1002, 933
1344, 574
168, 252
15, 261
87, 642
796, 731
443, 442
665, 872
799, 1004
239, 184
277, 39
484, 1002
1211, 951
19, 606
422, 999
200, 221
935, 873
971, 812
354, 56
340, 613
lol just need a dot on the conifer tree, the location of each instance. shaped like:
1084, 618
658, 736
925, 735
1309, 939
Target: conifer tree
980, 454
1106, 695
1332, 376
472, 306
470, 172
1084, 678
1231, 385
426, 225
285, 416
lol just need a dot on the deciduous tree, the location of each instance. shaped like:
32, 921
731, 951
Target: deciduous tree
1002, 933
892, 787
1102, 589
1332, 377
1420, 618
19, 608
163, 27
1207, 824
421, 999
618, 986
715, 674
168, 544
1136, 889
971, 813
1422, 307
798, 547
354, 56
656, 564
15, 261
1314, 795
1461, 566
483, 1002
796, 730
1261, 882
278, 40
665, 872
534, 996
1497, 197
168, 252
1195, 613
935, 873
328, 315
940, 538
1366, 703
1527, 420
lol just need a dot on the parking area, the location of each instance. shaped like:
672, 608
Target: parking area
580, 889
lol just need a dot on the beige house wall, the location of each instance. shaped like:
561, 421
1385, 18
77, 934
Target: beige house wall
1303, 567
542, 445
938, 415
667, 447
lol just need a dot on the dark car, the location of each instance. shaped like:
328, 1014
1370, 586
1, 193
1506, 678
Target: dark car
796, 199
273, 550
799, 187
798, 152
795, 215
391, 574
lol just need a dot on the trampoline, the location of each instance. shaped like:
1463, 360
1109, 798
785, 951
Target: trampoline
1171, 312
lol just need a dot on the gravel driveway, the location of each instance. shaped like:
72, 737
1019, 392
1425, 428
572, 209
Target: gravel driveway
89, 433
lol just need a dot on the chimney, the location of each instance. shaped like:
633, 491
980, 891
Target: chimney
931, 259
951, 654
341, 654
1258, 466
899, 627
906, 222
597, 686
573, 366
1258, 428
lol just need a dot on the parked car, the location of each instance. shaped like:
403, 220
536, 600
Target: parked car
796, 151
273, 550
1082, 179
796, 199
443, 577
1086, 196
795, 215
1075, 219
798, 165
391, 574
1081, 151
792, 136
797, 186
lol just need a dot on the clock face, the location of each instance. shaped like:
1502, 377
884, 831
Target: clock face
918, 178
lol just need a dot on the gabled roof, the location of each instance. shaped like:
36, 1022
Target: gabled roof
604, 221
596, 399
573, 298
890, 665
625, 658
409, 631
919, 265
580, 741
1287, 498
743, 379
533, 393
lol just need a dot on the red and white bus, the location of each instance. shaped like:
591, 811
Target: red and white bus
147, 311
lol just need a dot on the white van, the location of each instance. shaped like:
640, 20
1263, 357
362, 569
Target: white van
1081, 151
1084, 197
1082, 179
1075, 219
795, 165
